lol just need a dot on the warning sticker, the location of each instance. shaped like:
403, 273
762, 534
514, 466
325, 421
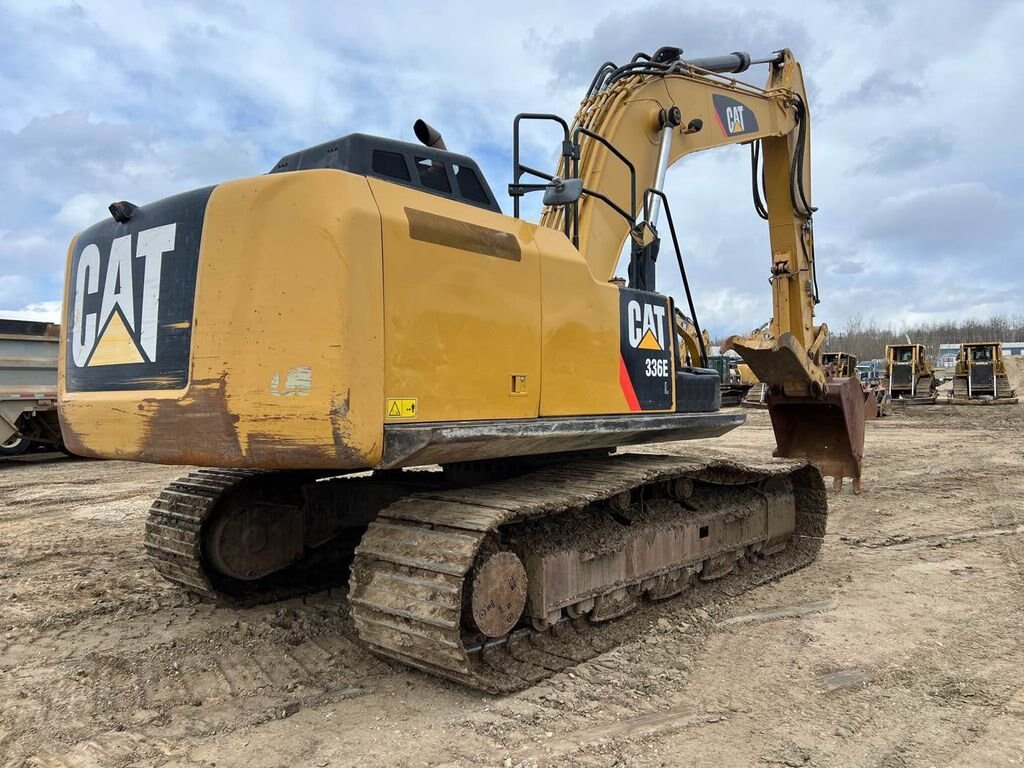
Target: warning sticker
401, 407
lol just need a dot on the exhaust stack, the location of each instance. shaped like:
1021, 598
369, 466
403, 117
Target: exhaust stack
428, 135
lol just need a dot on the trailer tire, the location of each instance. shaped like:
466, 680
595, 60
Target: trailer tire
15, 446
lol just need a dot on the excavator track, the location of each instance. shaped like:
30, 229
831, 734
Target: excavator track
631, 529
418, 569
175, 525
178, 535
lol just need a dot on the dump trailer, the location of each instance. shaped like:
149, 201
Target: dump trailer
980, 377
316, 336
28, 386
909, 376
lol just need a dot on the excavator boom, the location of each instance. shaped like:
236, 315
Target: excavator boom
655, 111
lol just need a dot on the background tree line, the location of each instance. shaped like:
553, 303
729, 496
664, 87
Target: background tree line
867, 340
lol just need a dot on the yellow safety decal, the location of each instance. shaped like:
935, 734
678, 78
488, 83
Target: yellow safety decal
401, 407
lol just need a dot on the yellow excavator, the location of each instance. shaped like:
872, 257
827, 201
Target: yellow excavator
314, 334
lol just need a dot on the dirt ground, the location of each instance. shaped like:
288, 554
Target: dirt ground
900, 646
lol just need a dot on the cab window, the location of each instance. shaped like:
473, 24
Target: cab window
433, 175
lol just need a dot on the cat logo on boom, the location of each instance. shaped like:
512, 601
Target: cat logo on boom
646, 325
734, 118
117, 335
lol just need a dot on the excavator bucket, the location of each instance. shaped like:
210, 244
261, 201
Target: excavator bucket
877, 402
871, 409
825, 429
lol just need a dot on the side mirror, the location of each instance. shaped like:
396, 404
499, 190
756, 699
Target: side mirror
563, 191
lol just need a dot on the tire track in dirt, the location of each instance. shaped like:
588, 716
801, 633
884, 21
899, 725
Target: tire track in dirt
919, 662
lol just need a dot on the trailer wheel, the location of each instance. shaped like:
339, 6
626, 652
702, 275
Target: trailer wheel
15, 446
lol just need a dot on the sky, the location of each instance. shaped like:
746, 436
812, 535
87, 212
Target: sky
916, 109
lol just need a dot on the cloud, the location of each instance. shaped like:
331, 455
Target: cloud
13, 289
965, 217
915, 170
699, 31
45, 311
881, 88
909, 151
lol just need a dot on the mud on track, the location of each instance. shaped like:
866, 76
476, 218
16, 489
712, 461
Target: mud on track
900, 646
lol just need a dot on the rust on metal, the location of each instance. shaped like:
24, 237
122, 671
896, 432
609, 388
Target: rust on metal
827, 430
417, 560
455, 233
498, 594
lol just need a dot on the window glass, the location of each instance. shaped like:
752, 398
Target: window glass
470, 186
433, 175
390, 164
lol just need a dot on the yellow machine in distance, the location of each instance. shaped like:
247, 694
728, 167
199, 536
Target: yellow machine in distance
367, 306
909, 376
980, 377
876, 398
840, 364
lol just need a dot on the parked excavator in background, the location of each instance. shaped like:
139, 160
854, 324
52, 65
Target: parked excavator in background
734, 389
909, 376
980, 377
367, 306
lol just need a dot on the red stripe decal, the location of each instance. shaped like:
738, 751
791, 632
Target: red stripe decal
718, 117
627, 386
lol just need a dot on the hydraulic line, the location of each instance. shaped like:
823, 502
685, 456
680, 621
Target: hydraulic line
755, 164
682, 270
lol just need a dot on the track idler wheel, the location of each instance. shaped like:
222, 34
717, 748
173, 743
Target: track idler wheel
498, 593
251, 540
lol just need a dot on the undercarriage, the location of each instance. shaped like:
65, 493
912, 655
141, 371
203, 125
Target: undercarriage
983, 387
905, 389
469, 572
